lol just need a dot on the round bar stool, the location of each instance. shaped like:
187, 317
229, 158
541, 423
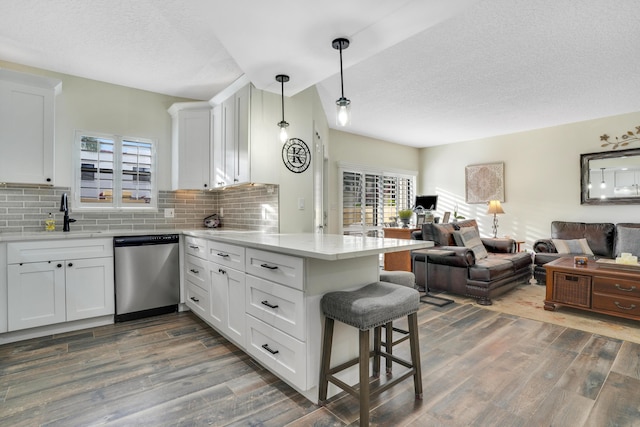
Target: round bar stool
369, 307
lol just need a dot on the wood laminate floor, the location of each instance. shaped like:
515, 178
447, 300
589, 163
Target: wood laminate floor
480, 368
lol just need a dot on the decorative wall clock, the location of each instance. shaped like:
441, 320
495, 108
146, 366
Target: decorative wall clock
296, 155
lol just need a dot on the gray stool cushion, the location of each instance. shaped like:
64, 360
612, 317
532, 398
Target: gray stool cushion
399, 277
372, 305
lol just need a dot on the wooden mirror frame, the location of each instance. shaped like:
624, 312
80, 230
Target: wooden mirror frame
584, 182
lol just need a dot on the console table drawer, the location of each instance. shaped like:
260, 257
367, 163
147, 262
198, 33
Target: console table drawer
616, 304
609, 285
572, 289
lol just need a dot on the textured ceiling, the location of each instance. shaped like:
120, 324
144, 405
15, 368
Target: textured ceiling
418, 72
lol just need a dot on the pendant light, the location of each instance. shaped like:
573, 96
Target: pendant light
283, 135
602, 184
343, 105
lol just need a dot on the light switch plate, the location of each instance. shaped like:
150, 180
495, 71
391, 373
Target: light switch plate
301, 203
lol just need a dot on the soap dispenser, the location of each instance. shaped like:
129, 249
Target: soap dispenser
50, 223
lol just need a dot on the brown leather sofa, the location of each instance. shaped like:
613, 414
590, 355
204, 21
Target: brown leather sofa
456, 269
605, 239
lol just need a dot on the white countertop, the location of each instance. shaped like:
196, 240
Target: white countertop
321, 246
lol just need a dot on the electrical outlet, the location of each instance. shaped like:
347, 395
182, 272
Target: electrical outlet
169, 213
301, 203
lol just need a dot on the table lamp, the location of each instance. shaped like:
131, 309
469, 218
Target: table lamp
495, 209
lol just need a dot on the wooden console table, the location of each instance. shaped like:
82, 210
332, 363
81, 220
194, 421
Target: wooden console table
608, 290
398, 260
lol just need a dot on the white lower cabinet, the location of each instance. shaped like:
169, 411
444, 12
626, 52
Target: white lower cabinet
280, 352
255, 299
226, 302
36, 294
51, 282
197, 299
44, 293
89, 288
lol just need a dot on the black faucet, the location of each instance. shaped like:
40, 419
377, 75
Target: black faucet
64, 207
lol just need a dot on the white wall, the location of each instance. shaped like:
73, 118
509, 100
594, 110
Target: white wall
102, 107
542, 176
351, 148
302, 114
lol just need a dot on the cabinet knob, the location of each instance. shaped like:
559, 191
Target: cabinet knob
48, 179
59, 265
205, 186
70, 264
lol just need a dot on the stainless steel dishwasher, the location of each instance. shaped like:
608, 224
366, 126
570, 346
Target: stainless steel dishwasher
147, 275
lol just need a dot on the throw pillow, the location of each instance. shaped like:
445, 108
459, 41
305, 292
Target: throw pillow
628, 240
576, 246
469, 237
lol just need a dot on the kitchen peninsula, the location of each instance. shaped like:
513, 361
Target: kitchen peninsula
275, 317
261, 291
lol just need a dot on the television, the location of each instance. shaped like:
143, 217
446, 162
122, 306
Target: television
427, 202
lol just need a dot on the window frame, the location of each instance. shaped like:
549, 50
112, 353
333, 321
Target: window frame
383, 175
116, 204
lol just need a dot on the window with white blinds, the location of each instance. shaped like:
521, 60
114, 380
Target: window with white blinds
371, 200
114, 172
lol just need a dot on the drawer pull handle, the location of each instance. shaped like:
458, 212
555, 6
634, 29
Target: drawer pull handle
194, 271
631, 289
270, 267
223, 255
221, 271
195, 248
621, 307
571, 278
194, 299
266, 347
265, 302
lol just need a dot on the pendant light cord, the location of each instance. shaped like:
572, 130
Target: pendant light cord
282, 96
341, 76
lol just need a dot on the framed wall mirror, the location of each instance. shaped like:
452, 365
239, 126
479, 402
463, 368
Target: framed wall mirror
610, 178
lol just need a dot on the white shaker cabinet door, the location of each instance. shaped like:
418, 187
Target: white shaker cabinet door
36, 294
89, 288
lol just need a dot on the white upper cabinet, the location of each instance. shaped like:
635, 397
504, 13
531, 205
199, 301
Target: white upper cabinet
191, 144
27, 117
231, 134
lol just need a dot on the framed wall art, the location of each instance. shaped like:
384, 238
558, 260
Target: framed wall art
484, 182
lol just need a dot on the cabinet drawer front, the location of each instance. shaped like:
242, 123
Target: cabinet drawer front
279, 352
572, 289
609, 285
197, 300
195, 246
227, 255
279, 268
49, 250
617, 304
278, 306
196, 271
